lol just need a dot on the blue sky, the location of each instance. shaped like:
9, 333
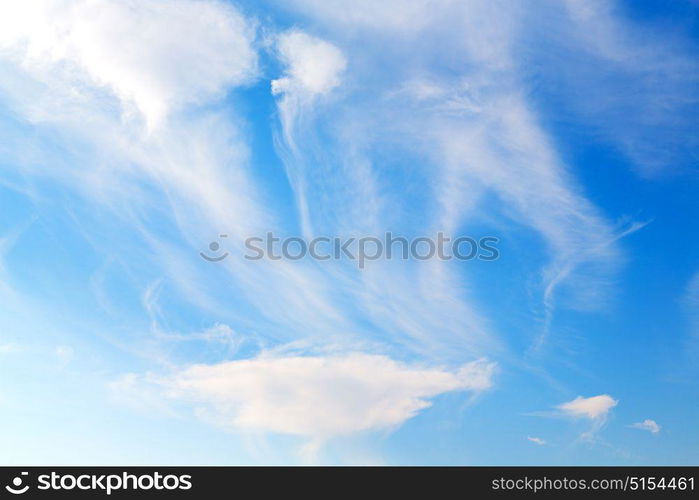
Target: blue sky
134, 133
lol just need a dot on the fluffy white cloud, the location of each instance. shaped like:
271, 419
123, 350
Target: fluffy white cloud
155, 55
536, 440
595, 407
318, 396
313, 66
647, 425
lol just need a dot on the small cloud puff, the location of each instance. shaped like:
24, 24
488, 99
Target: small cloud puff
313, 66
536, 440
647, 425
594, 408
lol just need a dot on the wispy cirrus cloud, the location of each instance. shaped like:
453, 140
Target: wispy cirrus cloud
473, 136
433, 128
191, 169
634, 86
314, 67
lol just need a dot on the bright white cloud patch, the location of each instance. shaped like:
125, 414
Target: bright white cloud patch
313, 66
155, 55
595, 407
647, 425
536, 440
318, 397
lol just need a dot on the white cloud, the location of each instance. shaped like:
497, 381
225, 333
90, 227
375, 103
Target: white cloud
318, 397
647, 425
154, 55
313, 66
536, 440
594, 408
